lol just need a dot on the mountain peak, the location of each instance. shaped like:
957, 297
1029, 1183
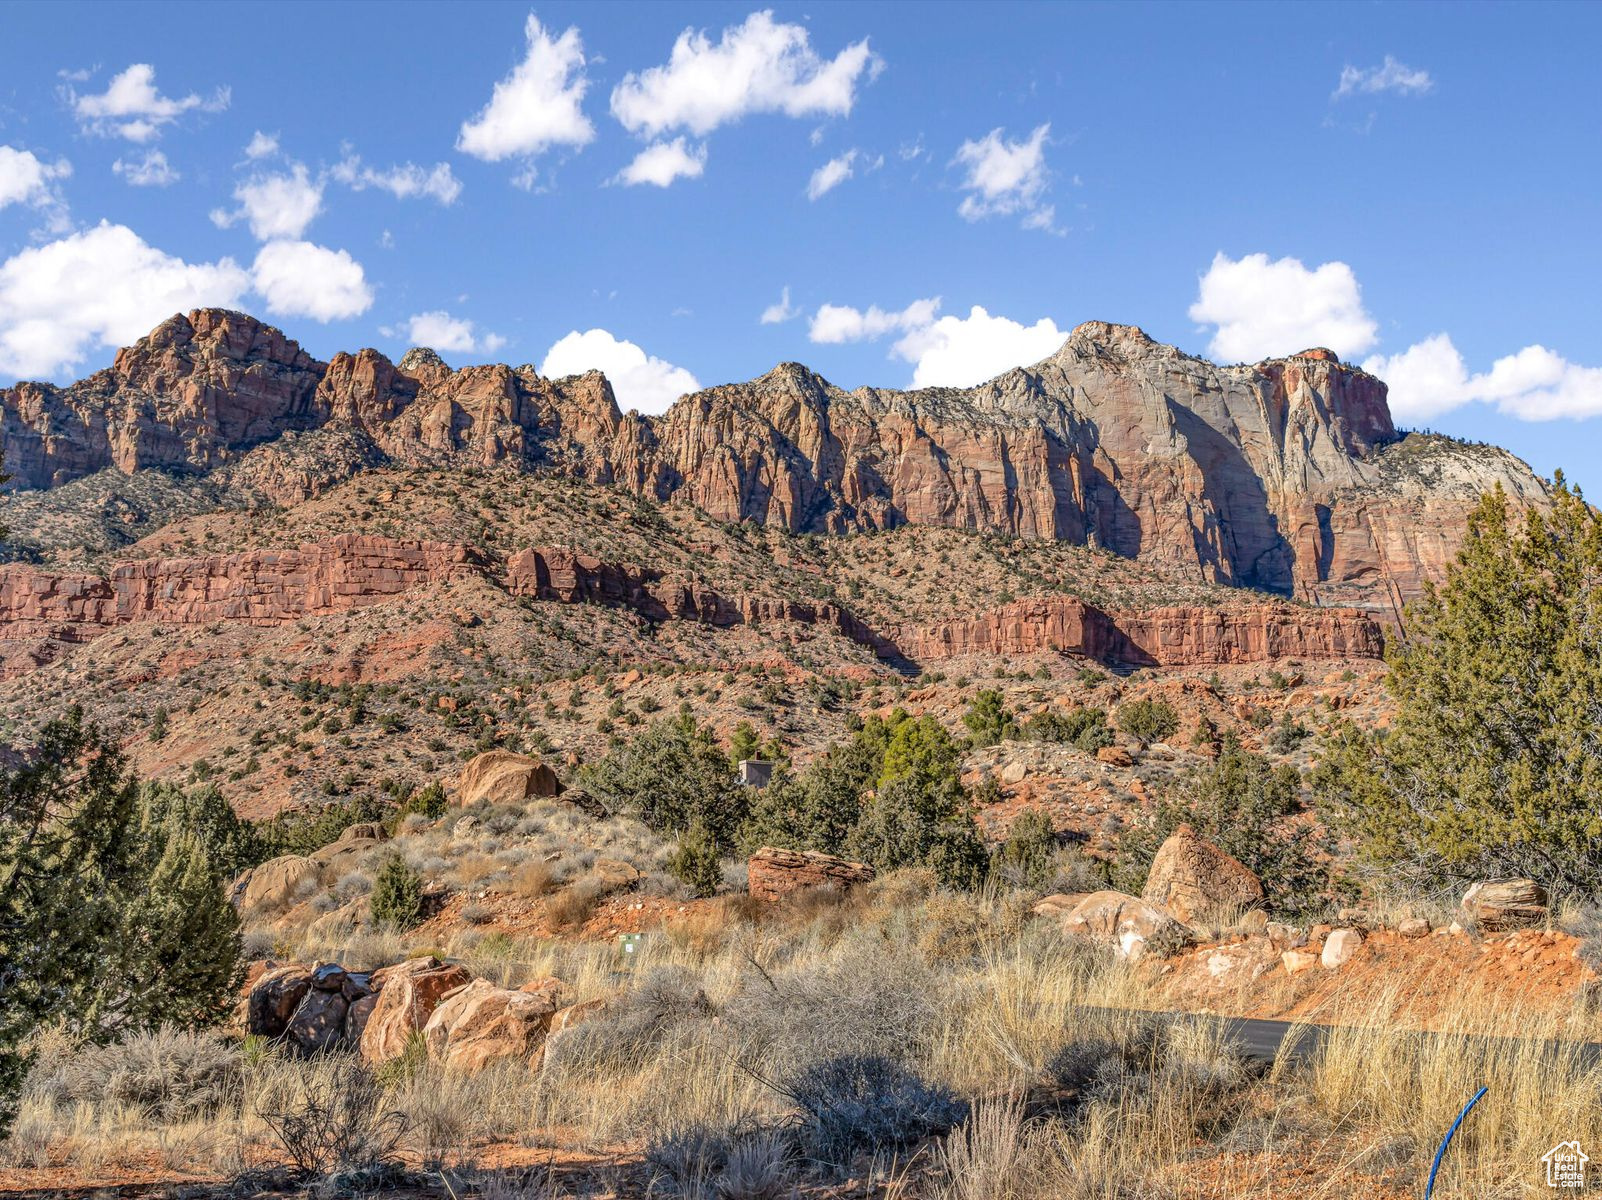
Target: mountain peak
421, 358
1105, 332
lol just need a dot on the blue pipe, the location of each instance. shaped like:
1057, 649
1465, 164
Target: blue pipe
1447, 1140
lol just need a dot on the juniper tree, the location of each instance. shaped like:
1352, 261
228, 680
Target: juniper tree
397, 897
112, 916
1492, 765
670, 776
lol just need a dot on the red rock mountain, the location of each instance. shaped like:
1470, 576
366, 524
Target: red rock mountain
1287, 475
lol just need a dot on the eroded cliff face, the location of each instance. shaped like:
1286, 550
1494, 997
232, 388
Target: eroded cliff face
44, 614
1286, 476
1166, 636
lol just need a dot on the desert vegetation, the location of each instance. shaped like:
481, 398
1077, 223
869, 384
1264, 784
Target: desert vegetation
904, 1035
936, 1029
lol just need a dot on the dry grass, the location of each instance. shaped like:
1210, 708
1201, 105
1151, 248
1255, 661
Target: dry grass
1073, 1094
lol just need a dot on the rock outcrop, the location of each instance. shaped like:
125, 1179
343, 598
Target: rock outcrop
480, 1023
774, 874
1195, 880
276, 882
501, 777
1339, 947
1287, 475
44, 614
408, 994
1157, 637
1130, 926
1500, 905
307, 1007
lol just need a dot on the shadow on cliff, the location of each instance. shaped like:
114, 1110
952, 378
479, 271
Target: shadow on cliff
1258, 555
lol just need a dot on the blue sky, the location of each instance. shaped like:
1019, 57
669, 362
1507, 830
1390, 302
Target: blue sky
636, 187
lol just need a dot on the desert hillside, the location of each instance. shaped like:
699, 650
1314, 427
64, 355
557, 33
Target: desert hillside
579, 803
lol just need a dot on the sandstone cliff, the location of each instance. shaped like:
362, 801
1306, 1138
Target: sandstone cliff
44, 614
1286, 476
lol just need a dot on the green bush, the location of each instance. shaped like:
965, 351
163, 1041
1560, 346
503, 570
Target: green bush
891, 795
1148, 720
817, 809
429, 802
1028, 858
301, 831
397, 897
1085, 728
670, 777
112, 911
1250, 809
988, 719
696, 862
907, 824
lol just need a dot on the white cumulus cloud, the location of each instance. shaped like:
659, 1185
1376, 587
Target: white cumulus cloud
1389, 76
132, 107
1261, 308
777, 314
438, 330
762, 66
1007, 177
405, 181
964, 351
538, 106
1535, 384
29, 180
277, 205
833, 324
299, 279
150, 169
831, 175
100, 287
261, 145
661, 163
639, 380
947, 351
759, 66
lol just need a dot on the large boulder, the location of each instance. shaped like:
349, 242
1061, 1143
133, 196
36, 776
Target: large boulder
277, 882
477, 1024
774, 874
274, 998
318, 1024
502, 777
1195, 880
1058, 904
357, 1016
1339, 947
350, 847
609, 875
1503, 904
565, 1021
1127, 924
408, 993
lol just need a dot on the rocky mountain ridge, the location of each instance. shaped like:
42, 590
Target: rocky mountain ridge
1287, 476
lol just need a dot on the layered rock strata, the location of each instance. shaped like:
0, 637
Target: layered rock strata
44, 614
1287, 475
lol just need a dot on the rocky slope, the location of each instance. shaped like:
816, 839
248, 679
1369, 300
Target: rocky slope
1287, 476
44, 613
